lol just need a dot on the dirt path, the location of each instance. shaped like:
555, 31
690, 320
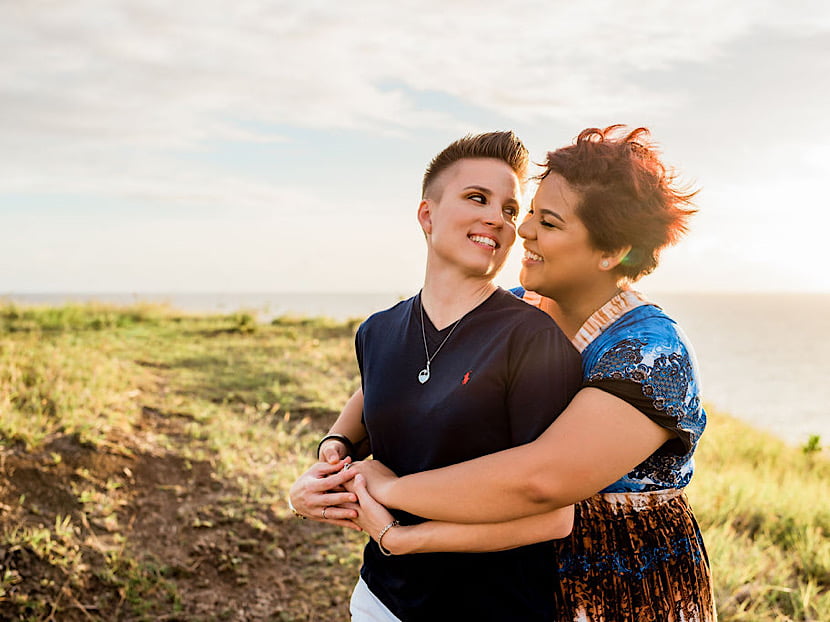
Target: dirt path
137, 532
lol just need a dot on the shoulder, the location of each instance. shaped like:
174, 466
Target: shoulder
511, 302
507, 313
650, 328
391, 316
642, 339
526, 331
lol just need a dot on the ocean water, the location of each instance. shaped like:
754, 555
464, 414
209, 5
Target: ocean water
763, 358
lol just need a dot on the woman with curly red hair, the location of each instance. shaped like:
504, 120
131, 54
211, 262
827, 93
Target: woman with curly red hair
622, 451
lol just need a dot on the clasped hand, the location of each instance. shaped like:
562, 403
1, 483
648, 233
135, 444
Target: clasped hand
319, 494
338, 493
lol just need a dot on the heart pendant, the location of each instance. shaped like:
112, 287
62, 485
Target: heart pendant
423, 376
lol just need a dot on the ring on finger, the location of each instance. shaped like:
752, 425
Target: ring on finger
324, 512
347, 466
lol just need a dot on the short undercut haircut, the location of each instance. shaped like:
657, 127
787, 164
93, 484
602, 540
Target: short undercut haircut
504, 146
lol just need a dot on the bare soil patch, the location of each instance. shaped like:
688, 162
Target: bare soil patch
154, 536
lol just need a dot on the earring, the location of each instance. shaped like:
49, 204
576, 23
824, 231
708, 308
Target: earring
604, 263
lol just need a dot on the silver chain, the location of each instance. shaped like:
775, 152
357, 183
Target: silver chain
424, 375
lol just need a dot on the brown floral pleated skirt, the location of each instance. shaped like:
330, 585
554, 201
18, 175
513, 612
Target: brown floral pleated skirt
635, 557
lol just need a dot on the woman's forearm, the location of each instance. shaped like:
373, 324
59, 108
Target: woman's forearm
350, 424
436, 536
497, 488
595, 441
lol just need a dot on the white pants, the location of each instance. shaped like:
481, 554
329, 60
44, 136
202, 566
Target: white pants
366, 607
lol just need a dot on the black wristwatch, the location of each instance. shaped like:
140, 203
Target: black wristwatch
340, 437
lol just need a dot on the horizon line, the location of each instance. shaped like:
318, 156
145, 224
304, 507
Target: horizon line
318, 292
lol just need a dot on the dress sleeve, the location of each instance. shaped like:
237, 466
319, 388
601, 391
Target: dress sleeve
655, 373
632, 393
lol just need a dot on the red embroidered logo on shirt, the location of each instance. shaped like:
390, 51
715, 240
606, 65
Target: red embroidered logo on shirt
467, 377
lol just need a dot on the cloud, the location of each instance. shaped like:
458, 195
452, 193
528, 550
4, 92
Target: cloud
118, 99
172, 75
83, 81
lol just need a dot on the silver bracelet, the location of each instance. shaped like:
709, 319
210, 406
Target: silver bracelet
382, 533
294, 510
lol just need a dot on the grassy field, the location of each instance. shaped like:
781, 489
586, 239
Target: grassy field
145, 455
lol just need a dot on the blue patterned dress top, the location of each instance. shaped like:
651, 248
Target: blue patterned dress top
630, 340
647, 347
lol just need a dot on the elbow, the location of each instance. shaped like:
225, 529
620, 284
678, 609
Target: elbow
543, 491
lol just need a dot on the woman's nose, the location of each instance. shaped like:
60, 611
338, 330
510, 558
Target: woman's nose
494, 216
526, 230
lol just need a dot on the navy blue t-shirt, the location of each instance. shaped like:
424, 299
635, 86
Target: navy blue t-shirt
501, 378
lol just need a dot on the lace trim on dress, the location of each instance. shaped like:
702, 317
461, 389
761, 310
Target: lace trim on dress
606, 315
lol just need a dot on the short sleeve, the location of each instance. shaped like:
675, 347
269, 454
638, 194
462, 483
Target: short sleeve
359, 339
656, 374
632, 393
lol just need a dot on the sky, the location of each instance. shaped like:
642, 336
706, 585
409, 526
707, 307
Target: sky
267, 146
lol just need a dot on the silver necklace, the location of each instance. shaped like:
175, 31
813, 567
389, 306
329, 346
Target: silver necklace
424, 374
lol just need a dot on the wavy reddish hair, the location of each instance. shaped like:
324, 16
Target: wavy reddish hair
628, 197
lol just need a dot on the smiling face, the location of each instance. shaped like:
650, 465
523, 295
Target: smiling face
469, 217
560, 261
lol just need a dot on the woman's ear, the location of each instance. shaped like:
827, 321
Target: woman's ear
425, 215
610, 260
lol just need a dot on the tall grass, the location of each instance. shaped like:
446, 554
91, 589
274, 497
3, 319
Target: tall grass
765, 514
62, 385
75, 317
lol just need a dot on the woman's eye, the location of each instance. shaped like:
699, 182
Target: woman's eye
478, 198
511, 211
548, 225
